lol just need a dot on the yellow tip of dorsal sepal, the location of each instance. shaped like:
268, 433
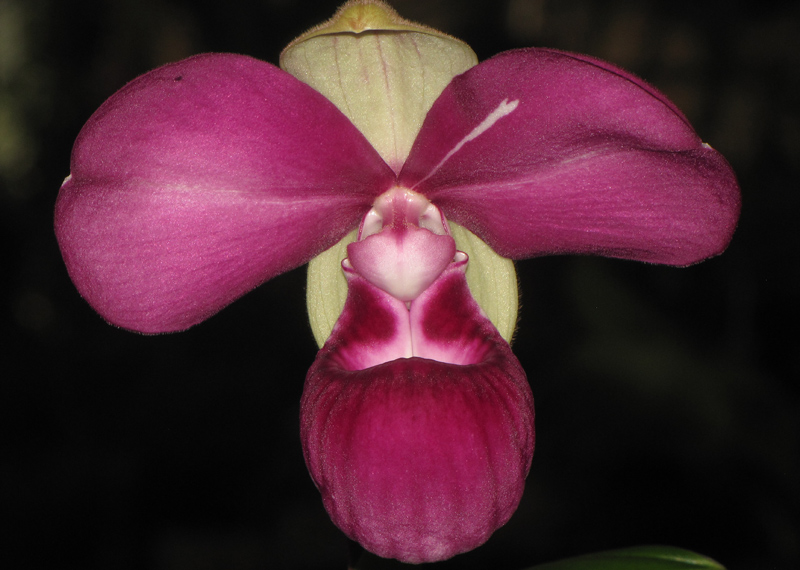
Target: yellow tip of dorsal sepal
358, 16
382, 71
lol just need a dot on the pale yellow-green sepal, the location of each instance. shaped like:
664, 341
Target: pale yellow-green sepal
492, 280
381, 71
326, 288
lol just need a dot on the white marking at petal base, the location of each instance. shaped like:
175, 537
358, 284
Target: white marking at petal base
503, 109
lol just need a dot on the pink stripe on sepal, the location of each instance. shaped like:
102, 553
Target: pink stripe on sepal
202, 179
418, 459
539, 152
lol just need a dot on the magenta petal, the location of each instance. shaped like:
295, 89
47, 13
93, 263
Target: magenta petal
417, 459
539, 152
202, 179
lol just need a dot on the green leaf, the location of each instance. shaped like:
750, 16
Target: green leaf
636, 558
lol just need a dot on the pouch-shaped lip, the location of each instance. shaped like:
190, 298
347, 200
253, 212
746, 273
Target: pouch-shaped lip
418, 459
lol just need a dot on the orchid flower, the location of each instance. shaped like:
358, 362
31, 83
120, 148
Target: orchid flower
409, 176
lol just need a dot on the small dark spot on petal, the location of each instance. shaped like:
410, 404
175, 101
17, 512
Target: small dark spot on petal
179, 78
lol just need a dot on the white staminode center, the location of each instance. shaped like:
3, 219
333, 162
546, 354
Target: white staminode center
402, 207
403, 244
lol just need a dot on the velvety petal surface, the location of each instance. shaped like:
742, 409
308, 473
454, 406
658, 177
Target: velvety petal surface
539, 152
202, 179
417, 459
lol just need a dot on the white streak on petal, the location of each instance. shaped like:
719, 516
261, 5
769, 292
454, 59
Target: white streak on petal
503, 109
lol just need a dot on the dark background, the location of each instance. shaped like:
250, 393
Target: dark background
667, 399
